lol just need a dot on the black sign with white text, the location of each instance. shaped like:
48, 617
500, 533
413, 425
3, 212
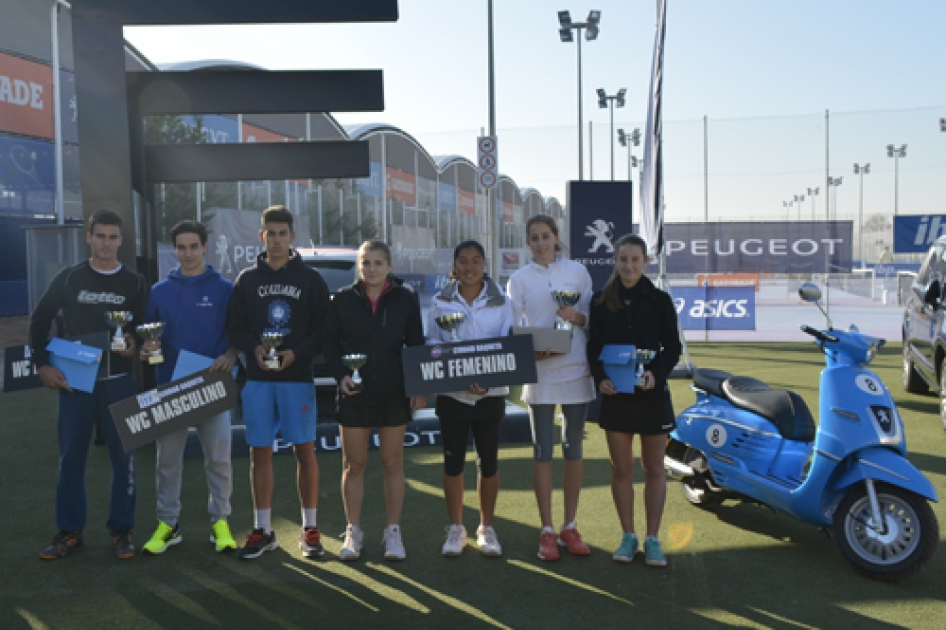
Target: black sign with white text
19, 371
454, 367
144, 418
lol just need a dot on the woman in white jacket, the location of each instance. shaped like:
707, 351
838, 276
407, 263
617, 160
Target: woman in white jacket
564, 379
487, 314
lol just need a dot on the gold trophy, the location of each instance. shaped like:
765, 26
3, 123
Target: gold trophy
564, 298
451, 323
152, 332
272, 340
644, 357
355, 362
117, 319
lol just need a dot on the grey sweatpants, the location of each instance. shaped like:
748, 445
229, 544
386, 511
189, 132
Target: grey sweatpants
215, 436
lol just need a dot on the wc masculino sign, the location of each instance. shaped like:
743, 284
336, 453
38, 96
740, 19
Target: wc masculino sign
759, 247
715, 308
915, 234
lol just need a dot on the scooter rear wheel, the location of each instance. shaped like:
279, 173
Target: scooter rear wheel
695, 491
908, 544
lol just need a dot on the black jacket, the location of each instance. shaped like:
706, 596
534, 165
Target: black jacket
292, 300
648, 322
351, 328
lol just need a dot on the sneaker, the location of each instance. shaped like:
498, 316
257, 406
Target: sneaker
310, 542
653, 556
62, 545
393, 545
221, 537
257, 543
162, 538
627, 549
354, 541
488, 542
548, 547
121, 543
571, 539
456, 540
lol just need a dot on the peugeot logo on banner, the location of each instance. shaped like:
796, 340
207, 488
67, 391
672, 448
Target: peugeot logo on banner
603, 233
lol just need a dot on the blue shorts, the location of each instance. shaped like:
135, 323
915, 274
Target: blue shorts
269, 407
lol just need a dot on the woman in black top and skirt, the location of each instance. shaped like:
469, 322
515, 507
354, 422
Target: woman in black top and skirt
632, 311
376, 316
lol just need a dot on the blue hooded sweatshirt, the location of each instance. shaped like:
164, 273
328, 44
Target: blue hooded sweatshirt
194, 311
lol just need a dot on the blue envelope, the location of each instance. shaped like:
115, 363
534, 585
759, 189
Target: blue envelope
190, 363
620, 364
77, 362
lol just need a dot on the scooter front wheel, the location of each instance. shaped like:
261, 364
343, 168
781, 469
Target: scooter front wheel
895, 552
695, 490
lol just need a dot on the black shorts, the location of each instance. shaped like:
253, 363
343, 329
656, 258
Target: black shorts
637, 414
373, 416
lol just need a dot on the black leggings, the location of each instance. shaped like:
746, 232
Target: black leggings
456, 421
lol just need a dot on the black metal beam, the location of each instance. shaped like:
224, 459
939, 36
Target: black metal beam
177, 12
256, 161
256, 91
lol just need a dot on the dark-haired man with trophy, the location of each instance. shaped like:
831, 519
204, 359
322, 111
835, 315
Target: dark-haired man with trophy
98, 299
276, 319
188, 311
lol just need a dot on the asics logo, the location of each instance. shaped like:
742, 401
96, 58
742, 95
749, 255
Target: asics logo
88, 297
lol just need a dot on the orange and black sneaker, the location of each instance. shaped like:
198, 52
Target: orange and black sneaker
310, 542
62, 545
121, 543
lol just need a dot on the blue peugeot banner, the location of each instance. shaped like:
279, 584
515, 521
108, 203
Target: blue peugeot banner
913, 234
599, 213
715, 308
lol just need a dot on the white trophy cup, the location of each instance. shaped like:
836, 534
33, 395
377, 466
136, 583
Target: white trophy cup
152, 332
563, 299
117, 319
355, 362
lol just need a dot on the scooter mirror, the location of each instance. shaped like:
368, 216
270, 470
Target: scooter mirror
809, 292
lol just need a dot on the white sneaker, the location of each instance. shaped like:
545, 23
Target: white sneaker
354, 541
488, 542
393, 545
456, 540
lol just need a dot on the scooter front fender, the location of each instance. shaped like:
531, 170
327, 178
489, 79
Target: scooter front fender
884, 464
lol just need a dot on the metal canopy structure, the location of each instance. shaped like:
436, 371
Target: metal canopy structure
114, 160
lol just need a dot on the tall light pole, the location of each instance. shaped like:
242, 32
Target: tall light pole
604, 100
590, 27
628, 140
788, 209
896, 153
812, 193
833, 182
495, 224
861, 170
798, 200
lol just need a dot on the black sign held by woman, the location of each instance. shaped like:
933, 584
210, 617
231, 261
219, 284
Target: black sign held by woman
454, 367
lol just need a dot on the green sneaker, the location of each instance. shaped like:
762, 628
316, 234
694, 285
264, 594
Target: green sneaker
164, 536
653, 556
222, 538
627, 549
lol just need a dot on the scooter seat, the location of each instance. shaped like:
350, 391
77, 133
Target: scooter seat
710, 381
787, 410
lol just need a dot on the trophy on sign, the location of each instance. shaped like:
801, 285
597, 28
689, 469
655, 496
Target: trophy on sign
152, 332
355, 362
117, 319
563, 299
451, 323
272, 340
644, 357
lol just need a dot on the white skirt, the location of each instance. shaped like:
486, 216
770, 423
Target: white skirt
580, 390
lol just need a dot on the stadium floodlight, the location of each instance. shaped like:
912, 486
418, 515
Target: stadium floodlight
620, 100
591, 27
896, 153
942, 124
604, 100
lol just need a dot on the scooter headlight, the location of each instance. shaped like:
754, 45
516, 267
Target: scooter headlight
872, 350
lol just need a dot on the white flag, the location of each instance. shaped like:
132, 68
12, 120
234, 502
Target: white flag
652, 184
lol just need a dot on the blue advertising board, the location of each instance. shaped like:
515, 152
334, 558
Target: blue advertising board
913, 234
599, 213
447, 197
715, 308
27, 176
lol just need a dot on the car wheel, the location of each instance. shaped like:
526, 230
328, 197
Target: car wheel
912, 381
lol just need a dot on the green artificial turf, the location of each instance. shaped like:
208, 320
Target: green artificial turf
741, 566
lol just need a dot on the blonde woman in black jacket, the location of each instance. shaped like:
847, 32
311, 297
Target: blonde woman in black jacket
376, 316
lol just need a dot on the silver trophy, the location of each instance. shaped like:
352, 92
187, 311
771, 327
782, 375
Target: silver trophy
272, 340
355, 362
152, 332
117, 319
644, 357
563, 299
451, 323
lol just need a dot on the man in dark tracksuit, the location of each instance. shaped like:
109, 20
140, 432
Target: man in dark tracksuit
84, 293
281, 294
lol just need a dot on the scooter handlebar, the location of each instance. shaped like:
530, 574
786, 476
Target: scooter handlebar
818, 334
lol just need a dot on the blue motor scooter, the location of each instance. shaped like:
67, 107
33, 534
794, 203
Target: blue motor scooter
746, 441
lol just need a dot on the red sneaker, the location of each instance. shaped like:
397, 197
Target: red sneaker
572, 539
548, 547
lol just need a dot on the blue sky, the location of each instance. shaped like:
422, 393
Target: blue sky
779, 63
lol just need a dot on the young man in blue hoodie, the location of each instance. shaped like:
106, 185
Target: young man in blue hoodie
192, 303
